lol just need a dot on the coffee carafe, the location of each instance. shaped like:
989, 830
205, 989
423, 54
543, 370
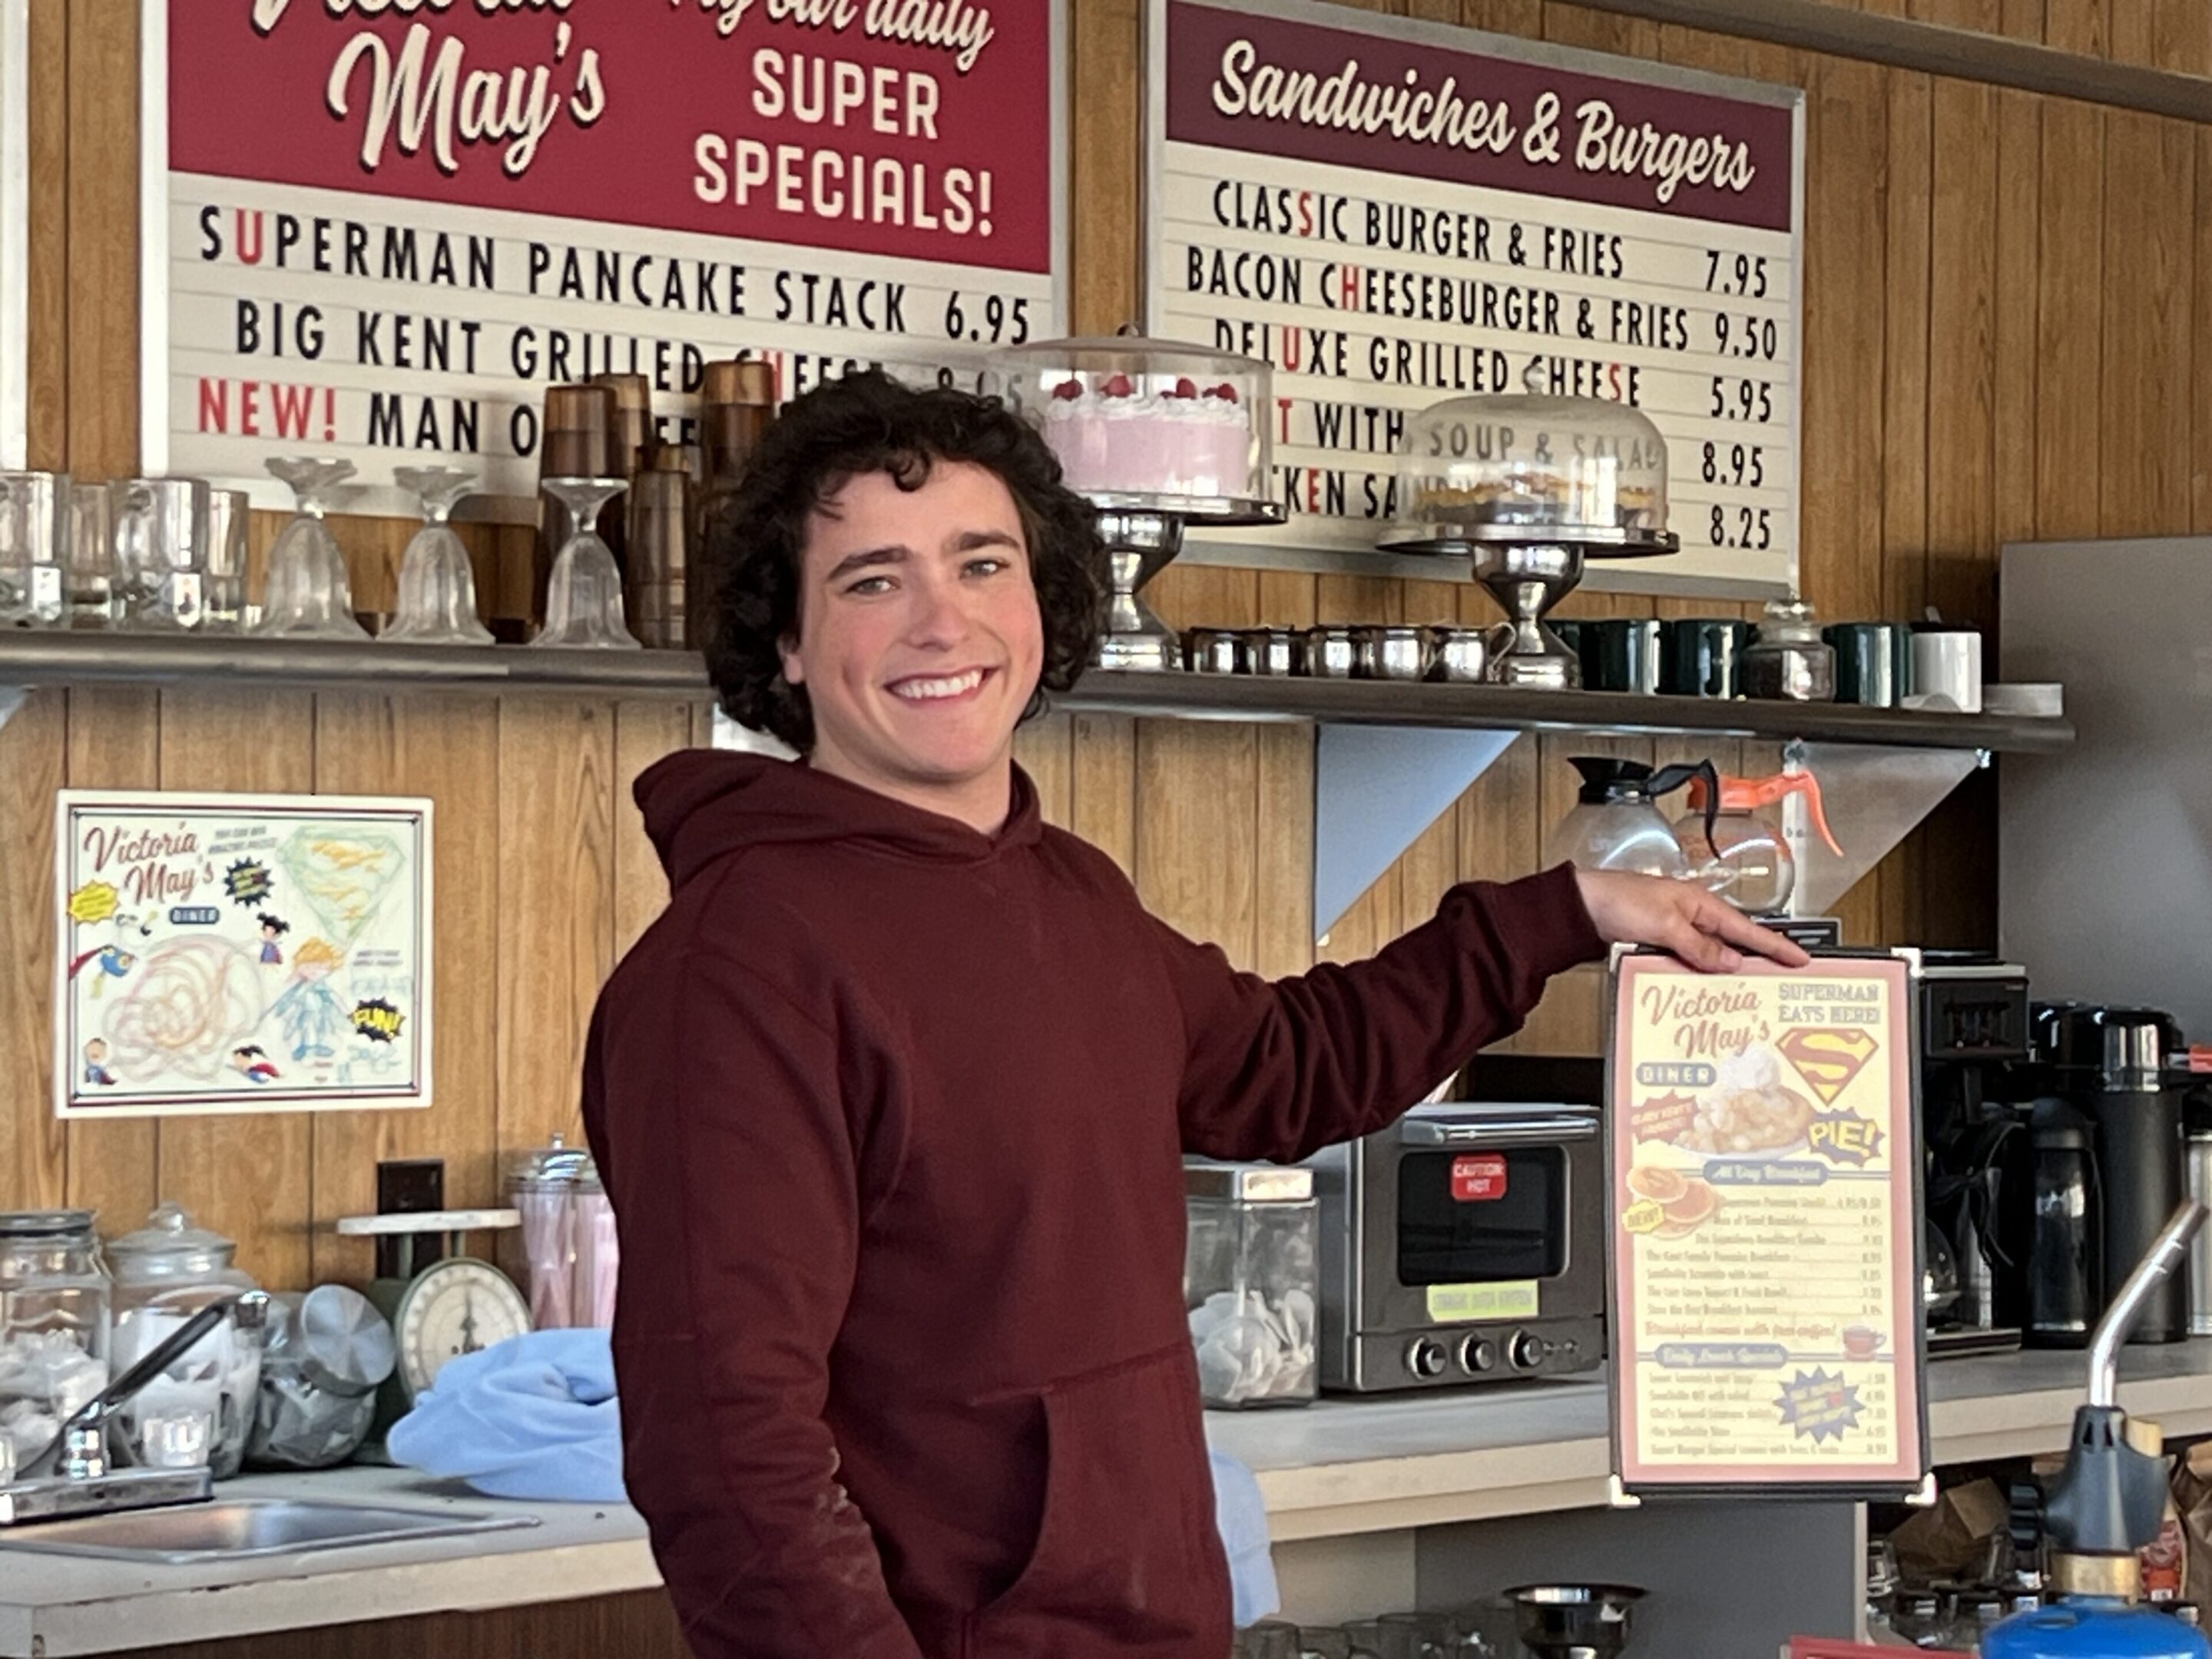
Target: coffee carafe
2112, 1064
2062, 1282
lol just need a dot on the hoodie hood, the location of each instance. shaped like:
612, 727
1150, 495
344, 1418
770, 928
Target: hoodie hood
700, 804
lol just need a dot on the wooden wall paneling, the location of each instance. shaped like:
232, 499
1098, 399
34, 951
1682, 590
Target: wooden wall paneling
249, 1176
1599, 31
1521, 17
1105, 144
2083, 27
1958, 846
114, 743
46, 357
34, 757
448, 749
1497, 828
2200, 407
556, 922
2146, 467
1197, 790
103, 238
1842, 399
2015, 321
639, 1626
2070, 452
1907, 281
1044, 748
644, 733
1104, 807
514, 550
1283, 873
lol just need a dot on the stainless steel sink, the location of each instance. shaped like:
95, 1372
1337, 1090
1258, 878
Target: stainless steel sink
240, 1528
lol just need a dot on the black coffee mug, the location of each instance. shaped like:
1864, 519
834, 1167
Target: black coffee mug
1704, 657
1569, 632
1622, 654
1874, 662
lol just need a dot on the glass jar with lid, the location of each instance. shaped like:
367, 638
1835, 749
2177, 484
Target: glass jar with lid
1788, 657
1250, 1278
1149, 425
1577, 472
200, 1410
564, 1254
54, 1292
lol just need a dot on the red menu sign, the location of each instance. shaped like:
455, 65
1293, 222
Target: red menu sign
380, 229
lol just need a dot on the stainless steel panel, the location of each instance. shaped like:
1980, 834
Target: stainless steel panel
2105, 853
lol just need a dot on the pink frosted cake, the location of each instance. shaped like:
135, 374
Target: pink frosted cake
1113, 440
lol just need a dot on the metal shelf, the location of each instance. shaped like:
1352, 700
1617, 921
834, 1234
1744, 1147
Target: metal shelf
29, 658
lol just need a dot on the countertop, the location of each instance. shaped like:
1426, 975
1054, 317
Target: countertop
57, 1605
1372, 1466
1341, 1467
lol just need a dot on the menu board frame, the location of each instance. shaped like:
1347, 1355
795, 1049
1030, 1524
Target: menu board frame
953, 317
1906, 1477
1349, 542
15, 233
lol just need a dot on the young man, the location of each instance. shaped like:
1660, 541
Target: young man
892, 1100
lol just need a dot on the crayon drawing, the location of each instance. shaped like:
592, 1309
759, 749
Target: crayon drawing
230, 953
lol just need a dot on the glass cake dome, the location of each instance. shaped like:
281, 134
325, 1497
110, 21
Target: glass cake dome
1152, 426
1581, 472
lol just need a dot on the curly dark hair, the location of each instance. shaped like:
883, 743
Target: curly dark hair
845, 429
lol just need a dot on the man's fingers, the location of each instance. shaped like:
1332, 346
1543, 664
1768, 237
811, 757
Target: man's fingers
1732, 925
1700, 949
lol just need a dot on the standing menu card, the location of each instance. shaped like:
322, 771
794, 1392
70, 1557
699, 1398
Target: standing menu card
1766, 1275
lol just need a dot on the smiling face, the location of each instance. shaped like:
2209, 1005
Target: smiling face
920, 641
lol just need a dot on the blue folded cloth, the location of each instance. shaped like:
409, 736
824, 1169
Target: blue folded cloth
1241, 1518
534, 1417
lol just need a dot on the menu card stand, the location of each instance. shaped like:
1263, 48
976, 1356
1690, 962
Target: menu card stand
1764, 1256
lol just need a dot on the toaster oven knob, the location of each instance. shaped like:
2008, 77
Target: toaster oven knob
1426, 1358
1478, 1354
1526, 1351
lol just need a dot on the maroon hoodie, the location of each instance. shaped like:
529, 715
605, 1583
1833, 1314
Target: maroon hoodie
892, 1113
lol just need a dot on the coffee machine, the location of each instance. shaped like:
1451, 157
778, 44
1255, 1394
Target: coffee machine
1974, 1034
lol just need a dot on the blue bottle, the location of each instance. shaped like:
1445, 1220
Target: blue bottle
2105, 1504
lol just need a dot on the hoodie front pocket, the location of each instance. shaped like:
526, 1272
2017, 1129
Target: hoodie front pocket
1126, 1561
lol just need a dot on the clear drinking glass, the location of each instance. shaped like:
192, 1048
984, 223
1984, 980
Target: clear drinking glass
222, 599
88, 584
308, 595
584, 600
34, 511
161, 549
437, 585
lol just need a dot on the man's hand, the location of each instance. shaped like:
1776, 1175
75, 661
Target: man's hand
1707, 932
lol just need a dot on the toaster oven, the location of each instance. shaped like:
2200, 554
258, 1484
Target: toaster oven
1465, 1244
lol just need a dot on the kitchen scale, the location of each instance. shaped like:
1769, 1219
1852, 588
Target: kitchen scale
442, 1303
